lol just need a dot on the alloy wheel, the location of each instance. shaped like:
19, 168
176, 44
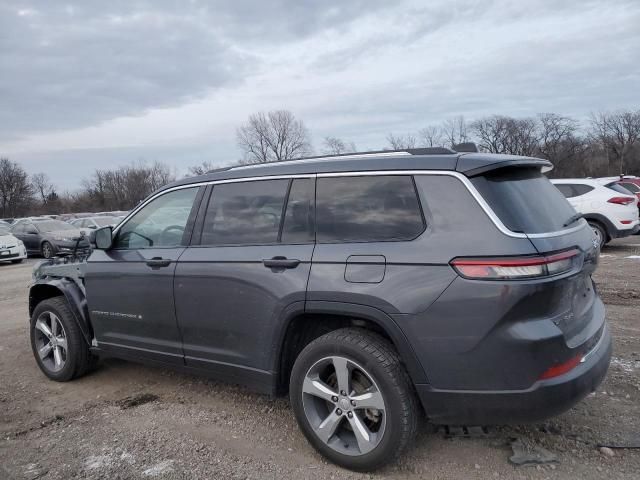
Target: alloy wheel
47, 251
344, 406
51, 341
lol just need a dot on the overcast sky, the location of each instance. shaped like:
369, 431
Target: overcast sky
91, 84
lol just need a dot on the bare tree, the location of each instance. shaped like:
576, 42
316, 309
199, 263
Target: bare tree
401, 142
500, 134
42, 186
431, 136
559, 142
201, 169
617, 132
337, 146
522, 136
272, 137
16, 192
124, 187
454, 131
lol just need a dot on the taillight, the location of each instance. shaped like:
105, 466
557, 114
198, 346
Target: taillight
622, 200
561, 368
509, 268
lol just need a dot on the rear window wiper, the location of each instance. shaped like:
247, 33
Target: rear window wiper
573, 218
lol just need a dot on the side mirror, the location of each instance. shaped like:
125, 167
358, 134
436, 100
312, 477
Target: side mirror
103, 238
31, 231
93, 227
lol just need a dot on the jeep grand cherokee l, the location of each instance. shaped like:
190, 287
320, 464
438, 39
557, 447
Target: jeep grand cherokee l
369, 287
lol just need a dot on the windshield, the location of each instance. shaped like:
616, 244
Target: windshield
105, 221
52, 226
524, 199
4, 230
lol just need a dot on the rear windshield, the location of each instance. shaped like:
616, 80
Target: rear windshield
616, 187
524, 199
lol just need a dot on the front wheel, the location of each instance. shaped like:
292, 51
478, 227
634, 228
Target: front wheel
353, 399
47, 250
57, 343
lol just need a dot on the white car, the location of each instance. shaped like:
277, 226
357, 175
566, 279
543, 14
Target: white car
612, 211
11, 249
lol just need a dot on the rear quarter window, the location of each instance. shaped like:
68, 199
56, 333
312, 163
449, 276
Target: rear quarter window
367, 209
524, 200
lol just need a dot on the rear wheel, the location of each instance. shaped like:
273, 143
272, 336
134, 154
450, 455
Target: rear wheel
353, 399
57, 343
598, 232
47, 250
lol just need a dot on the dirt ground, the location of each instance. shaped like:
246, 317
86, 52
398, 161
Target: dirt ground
132, 421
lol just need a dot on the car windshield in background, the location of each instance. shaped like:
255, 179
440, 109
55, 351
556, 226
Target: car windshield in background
52, 226
105, 221
524, 199
4, 230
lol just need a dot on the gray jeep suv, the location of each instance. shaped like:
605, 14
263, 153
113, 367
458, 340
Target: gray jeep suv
370, 287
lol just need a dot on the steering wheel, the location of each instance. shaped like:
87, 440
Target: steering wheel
169, 229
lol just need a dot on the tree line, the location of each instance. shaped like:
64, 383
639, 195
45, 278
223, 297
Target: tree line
607, 144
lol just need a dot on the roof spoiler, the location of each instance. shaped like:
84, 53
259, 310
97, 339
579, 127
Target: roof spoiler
472, 165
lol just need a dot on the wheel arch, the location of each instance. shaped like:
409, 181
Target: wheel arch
301, 326
608, 226
55, 287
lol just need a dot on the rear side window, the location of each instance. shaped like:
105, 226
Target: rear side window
245, 213
297, 226
571, 190
524, 200
367, 209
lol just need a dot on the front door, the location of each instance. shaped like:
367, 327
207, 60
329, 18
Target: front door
250, 263
130, 286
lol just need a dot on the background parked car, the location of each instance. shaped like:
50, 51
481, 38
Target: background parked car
48, 237
611, 211
92, 223
11, 248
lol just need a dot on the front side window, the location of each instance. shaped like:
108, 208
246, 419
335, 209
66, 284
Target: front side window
244, 213
367, 209
160, 223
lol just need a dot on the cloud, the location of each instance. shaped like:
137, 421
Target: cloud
73, 65
134, 77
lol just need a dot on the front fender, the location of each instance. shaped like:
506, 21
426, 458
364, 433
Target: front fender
52, 287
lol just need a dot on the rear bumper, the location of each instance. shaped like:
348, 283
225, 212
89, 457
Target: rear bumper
544, 399
619, 233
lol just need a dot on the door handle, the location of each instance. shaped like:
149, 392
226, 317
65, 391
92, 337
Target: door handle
157, 262
281, 262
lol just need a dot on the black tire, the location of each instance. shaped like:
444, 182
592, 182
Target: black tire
378, 356
79, 359
19, 260
46, 249
599, 231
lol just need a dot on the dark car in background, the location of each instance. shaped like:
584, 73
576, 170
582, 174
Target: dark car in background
48, 237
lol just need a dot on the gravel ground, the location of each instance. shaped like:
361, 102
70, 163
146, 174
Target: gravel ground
132, 421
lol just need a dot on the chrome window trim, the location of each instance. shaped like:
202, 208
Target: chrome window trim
461, 177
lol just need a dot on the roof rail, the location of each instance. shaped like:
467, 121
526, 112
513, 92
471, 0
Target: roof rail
353, 155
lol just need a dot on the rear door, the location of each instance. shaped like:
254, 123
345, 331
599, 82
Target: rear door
247, 266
